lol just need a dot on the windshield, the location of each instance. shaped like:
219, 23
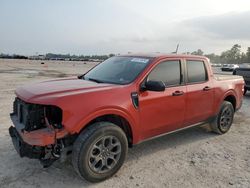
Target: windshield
117, 70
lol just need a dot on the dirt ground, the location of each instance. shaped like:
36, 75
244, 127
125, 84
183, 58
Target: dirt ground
191, 158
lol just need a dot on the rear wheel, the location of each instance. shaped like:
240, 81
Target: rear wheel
99, 151
223, 121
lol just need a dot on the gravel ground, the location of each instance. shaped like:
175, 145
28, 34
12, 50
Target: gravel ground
191, 158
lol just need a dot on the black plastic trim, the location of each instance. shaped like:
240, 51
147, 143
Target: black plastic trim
24, 149
135, 99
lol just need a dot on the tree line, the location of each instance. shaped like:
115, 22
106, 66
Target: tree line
231, 56
51, 56
77, 57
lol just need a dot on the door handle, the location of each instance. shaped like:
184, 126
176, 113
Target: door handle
177, 93
207, 88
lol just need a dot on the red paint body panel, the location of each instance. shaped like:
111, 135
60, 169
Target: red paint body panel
159, 112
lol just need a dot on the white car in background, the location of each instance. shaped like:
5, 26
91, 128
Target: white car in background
229, 67
215, 65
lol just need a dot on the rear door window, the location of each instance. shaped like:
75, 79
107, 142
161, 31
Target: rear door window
196, 71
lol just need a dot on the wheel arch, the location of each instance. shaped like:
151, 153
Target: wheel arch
229, 96
117, 120
117, 117
231, 99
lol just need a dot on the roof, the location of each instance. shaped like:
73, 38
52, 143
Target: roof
162, 55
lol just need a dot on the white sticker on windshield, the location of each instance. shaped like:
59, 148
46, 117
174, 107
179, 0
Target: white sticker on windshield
140, 60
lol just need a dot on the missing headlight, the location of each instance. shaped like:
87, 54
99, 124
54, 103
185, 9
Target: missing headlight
54, 116
33, 116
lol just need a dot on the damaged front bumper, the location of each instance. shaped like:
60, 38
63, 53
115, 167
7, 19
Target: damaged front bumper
43, 144
24, 149
39, 137
38, 132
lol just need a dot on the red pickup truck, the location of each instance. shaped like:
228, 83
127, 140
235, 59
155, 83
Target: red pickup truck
122, 101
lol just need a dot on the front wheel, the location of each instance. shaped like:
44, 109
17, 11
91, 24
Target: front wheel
223, 121
99, 151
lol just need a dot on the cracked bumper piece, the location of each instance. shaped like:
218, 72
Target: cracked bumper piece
40, 137
24, 149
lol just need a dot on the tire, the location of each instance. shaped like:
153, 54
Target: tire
224, 119
99, 151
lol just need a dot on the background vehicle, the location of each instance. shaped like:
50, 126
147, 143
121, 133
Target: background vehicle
121, 102
244, 71
215, 64
229, 67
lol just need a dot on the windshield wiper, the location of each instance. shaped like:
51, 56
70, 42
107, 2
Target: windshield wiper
95, 80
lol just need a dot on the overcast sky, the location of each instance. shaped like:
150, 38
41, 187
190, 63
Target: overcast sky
120, 26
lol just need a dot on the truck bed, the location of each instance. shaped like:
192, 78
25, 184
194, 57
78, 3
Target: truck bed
222, 77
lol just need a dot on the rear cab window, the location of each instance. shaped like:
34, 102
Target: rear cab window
196, 71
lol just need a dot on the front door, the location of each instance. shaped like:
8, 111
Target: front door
164, 111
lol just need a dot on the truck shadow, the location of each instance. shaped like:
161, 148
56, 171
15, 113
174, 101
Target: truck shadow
140, 151
170, 141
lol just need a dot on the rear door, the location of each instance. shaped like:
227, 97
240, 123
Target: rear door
164, 111
200, 92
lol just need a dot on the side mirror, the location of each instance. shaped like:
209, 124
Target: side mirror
154, 86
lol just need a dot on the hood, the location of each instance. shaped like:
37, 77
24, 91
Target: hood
57, 88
